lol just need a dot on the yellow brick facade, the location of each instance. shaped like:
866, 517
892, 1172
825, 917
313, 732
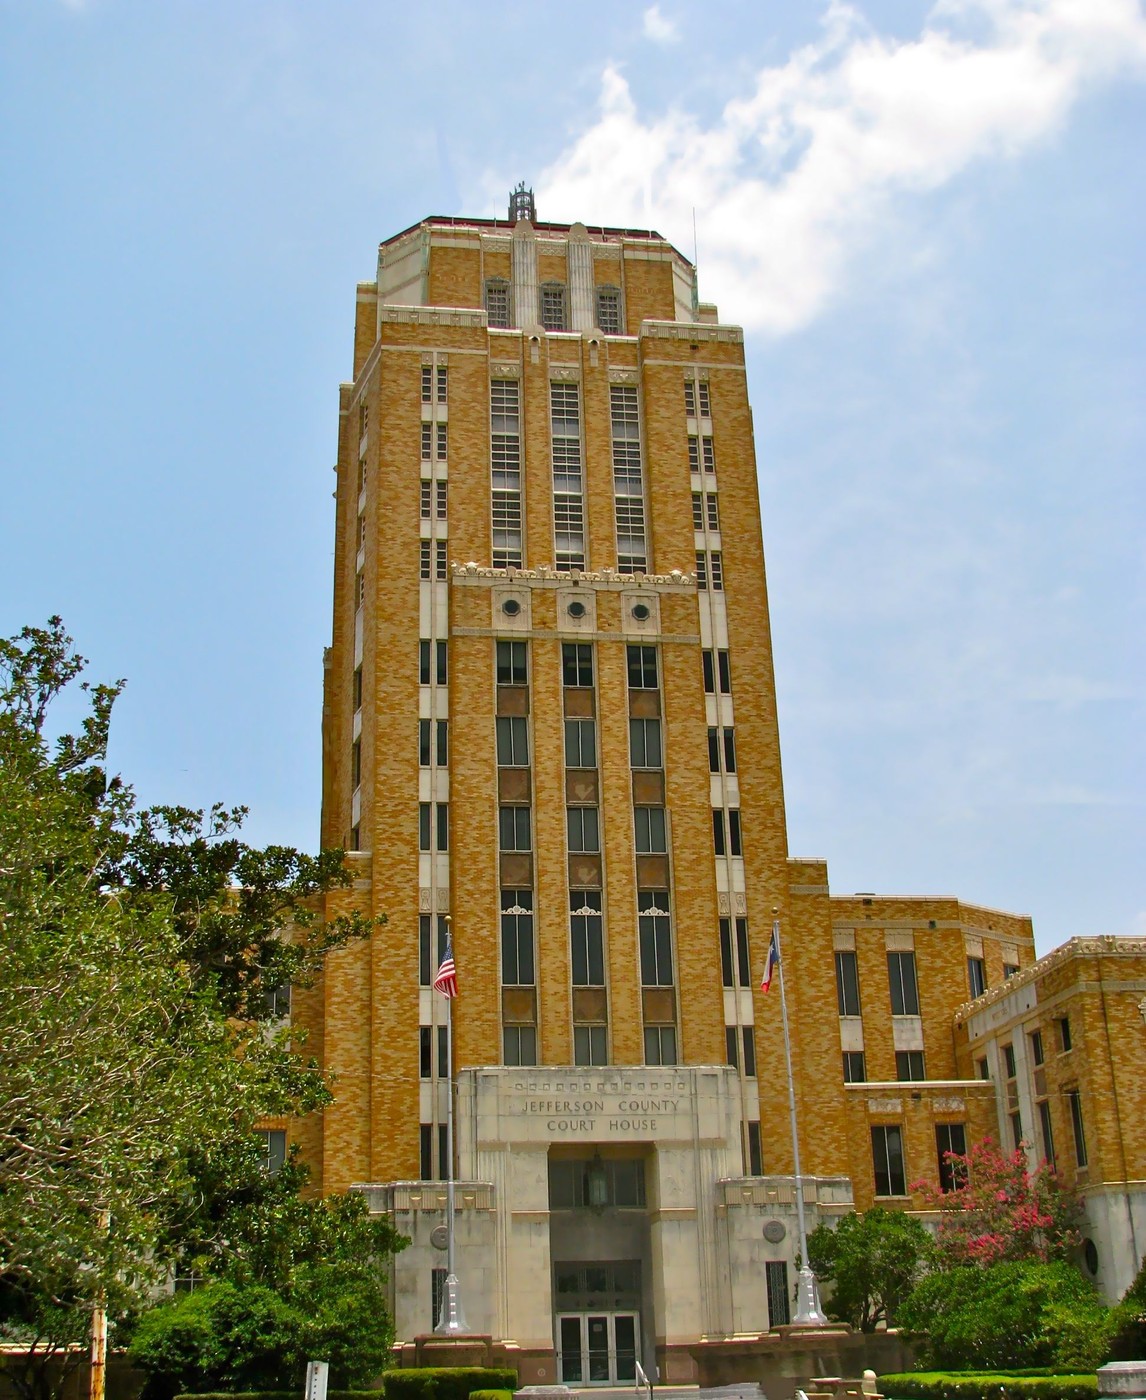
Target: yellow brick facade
435, 588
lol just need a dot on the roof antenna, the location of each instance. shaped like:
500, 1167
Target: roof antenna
694, 237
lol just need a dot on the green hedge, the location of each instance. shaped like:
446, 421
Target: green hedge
445, 1382
491, 1395
987, 1385
277, 1395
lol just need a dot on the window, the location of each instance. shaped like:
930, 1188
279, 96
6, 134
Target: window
779, 1294
1074, 1098
1064, 1040
731, 846
697, 511
505, 468
427, 499
577, 664
855, 1072
441, 492
730, 751
497, 315
517, 938
734, 956
735, 847
276, 1001
583, 829
976, 977
511, 663
1009, 1060
645, 743
743, 961
984, 1069
887, 1158
1046, 1130
716, 570
609, 310
690, 398
426, 1154
732, 1046
356, 763
655, 940
847, 983
660, 1045
580, 743
356, 838
642, 667
274, 1148
514, 829
440, 441
723, 673
441, 666
1037, 1054
1009, 970
512, 741
693, 454
749, 1039
701, 569
1016, 1130
423, 662
628, 483
428, 962
440, 564
713, 750
586, 939
553, 316
363, 419
440, 379
425, 1052
427, 441
726, 975
423, 743
598, 1182
443, 813
359, 588
950, 1138
519, 1045
755, 1156
709, 672
712, 511
904, 992
565, 421
719, 839
442, 742
589, 1045
702, 392
909, 1065
361, 476
361, 532
651, 837
427, 383
424, 558
707, 454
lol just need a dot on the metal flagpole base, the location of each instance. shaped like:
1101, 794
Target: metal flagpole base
808, 1310
452, 1318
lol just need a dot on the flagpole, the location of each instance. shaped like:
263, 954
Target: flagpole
452, 1318
808, 1311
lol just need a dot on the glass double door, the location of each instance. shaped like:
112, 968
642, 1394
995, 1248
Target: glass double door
598, 1348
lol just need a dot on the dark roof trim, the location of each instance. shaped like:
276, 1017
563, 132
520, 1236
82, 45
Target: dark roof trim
449, 221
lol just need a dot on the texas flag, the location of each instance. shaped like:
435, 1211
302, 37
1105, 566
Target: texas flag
773, 959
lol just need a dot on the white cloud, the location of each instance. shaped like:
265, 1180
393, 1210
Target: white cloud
660, 28
793, 176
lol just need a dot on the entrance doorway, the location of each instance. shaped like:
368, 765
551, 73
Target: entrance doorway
598, 1348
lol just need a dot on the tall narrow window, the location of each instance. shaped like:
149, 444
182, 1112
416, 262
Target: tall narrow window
887, 1159
756, 1158
440, 493
427, 441
440, 653
443, 823
714, 750
440, 379
609, 310
440, 441
424, 662
719, 836
697, 511
748, 1037
497, 303
724, 673
1074, 1099
568, 497
356, 763
511, 663
442, 746
512, 741
645, 743
580, 743
709, 671
587, 943
735, 845
514, 829
628, 482
713, 512
517, 963
553, 307
855, 1072
583, 830
690, 398
577, 664
847, 983
424, 823
505, 469
651, 836
729, 751
726, 974
424, 558
904, 991
427, 382
701, 569
424, 743
779, 1294
427, 498
702, 394
1045, 1129
642, 665
716, 570
654, 924
441, 567
708, 457
976, 977
950, 1139
743, 961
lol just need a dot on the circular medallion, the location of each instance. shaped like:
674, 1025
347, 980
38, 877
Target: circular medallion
440, 1237
774, 1231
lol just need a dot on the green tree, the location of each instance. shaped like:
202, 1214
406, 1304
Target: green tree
138, 950
873, 1260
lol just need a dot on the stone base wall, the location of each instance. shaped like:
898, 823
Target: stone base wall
793, 1358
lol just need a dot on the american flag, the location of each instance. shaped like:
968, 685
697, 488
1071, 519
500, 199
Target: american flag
446, 981
773, 959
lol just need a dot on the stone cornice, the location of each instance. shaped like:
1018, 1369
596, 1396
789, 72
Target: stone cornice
1106, 945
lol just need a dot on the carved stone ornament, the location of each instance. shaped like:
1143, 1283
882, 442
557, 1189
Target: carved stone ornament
505, 369
623, 376
741, 903
774, 1231
722, 903
443, 900
424, 900
565, 374
885, 1105
948, 1105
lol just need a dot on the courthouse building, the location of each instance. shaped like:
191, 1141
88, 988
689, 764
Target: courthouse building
550, 714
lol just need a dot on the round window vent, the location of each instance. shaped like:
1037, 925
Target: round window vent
641, 612
576, 609
511, 607
774, 1231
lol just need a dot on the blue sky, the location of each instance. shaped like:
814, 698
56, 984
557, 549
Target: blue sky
930, 219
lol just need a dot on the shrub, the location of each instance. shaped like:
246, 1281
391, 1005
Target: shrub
1128, 1322
1008, 1316
445, 1382
491, 1395
986, 1385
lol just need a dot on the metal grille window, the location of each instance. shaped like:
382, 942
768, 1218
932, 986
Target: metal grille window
712, 510
512, 741
642, 666
497, 303
697, 511
887, 1159
776, 1282
909, 1066
645, 743
424, 559
855, 1071
519, 1045
1074, 1098
847, 983
511, 663
440, 379
693, 454
708, 456
660, 1045
565, 411
517, 965
505, 469
716, 570
427, 498
701, 569
580, 743
609, 310
590, 1045
440, 439
440, 494
553, 307
577, 663
702, 392
586, 938
690, 398
628, 484
651, 834
655, 928
427, 441
904, 989
441, 569
514, 829
584, 830
950, 1138
427, 382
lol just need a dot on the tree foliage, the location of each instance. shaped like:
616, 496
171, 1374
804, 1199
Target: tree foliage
1000, 1211
873, 1260
138, 948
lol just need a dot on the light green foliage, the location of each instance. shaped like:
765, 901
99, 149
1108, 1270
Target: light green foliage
987, 1385
873, 1260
